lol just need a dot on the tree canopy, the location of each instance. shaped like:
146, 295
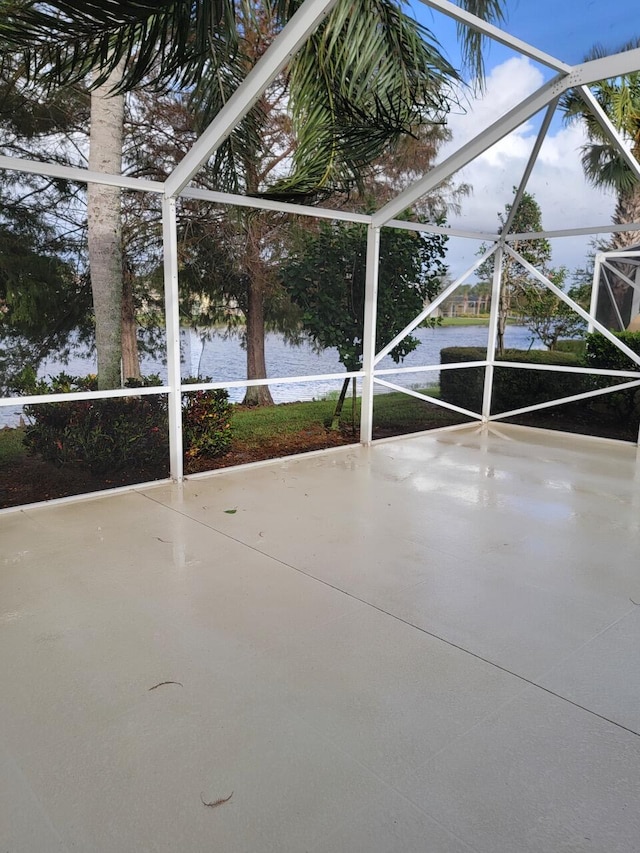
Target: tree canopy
325, 277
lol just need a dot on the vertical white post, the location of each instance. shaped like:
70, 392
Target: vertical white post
493, 334
595, 289
369, 333
172, 320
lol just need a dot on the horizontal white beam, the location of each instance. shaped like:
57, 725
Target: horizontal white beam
424, 227
575, 232
619, 253
458, 365
265, 203
32, 399
270, 64
497, 34
74, 173
614, 65
253, 383
565, 368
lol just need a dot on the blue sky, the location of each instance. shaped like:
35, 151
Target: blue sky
566, 30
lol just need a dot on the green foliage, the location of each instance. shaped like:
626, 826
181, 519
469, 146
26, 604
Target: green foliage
521, 292
11, 445
578, 346
101, 435
41, 300
527, 218
619, 97
325, 277
463, 387
109, 435
512, 388
341, 121
206, 423
547, 315
602, 353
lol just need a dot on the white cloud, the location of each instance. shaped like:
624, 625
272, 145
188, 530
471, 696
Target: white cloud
557, 180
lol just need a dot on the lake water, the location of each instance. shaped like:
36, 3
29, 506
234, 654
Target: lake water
223, 359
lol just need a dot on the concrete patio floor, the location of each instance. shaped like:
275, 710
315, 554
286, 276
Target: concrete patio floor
432, 644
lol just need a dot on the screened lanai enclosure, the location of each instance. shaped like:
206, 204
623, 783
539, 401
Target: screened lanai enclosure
473, 249
424, 639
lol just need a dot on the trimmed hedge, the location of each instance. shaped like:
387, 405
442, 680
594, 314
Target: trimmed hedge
463, 387
601, 353
512, 388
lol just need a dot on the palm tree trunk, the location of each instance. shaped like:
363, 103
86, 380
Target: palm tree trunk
105, 230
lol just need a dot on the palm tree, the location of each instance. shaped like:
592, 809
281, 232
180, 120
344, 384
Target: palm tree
340, 120
603, 164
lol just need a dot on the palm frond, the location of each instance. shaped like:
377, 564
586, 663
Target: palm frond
471, 40
163, 42
604, 167
342, 121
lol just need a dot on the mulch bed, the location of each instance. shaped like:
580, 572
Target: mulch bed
30, 480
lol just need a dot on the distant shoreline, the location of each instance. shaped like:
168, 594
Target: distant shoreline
464, 321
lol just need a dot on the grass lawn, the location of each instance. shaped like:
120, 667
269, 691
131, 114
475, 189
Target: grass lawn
11, 447
393, 411
482, 320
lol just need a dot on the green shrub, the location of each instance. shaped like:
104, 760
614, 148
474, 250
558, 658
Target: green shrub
122, 432
602, 354
515, 389
512, 388
206, 423
463, 387
101, 435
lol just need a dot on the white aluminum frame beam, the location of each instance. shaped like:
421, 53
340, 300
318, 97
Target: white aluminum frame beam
431, 307
574, 305
578, 75
634, 284
72, 173
541, 98
172, 322
427, 228
427, 399
497, 34
369, 332
230, 199
609, 128
542, 134
573, 232
574, 398
284, 46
